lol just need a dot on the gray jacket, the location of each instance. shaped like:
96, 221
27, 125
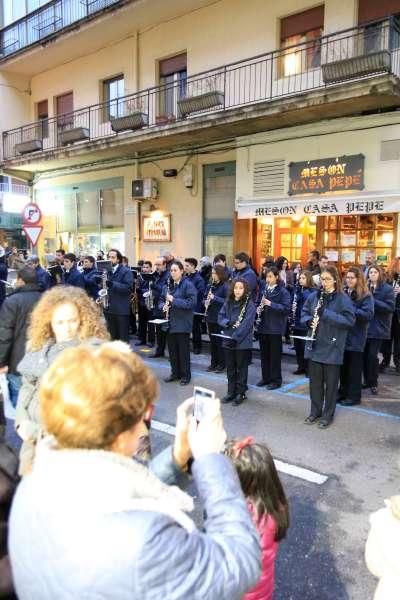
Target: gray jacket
101, 525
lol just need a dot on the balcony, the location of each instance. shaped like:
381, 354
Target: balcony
336, 75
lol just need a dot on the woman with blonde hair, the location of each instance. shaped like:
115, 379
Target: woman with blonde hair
91, 522
63, 317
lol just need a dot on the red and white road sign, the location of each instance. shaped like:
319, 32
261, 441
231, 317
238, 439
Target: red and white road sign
31, 214
32, 233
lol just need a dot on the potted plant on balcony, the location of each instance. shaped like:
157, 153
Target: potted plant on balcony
165, 119
201, 95
133, 116
69, 129
31, 140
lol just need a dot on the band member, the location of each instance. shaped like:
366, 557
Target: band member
302, 291
394, 342
198, 282
236, 317
178, 302
91, 277
60, 254
72, 276
352, 367
145, 296
272, 312
329, 314
243, 270
220, 261
214, 297
161, 276
120, 286
379, 327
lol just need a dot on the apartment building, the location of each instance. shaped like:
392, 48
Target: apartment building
206, 126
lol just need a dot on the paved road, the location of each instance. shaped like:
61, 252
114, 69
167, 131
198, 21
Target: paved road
322, 557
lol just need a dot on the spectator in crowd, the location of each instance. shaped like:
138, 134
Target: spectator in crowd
100, 255
3, 275
64, 316
313, 262
15, 260
393, 274
60, 253
285, 274
267, 504
72, 276
8, 485
120, 288
91, 277
43, 277
370, 260
87, 499
14, 320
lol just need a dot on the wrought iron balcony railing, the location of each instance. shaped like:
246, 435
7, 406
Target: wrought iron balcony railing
47, 20
353, 54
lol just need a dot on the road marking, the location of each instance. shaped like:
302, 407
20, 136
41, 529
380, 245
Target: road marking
283, 467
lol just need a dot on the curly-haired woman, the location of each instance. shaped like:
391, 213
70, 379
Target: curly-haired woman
64, 317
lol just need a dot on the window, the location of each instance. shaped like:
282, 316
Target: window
113, 89
303, 30
173, 74
219, 208
42, 116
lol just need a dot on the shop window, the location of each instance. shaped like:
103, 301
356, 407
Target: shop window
300, 35
113, 90
172, 76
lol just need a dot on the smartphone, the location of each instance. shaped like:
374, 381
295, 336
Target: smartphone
203, 399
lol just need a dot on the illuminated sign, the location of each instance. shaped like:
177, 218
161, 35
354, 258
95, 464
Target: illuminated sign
327, 175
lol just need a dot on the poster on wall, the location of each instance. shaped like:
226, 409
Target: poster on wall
156, 228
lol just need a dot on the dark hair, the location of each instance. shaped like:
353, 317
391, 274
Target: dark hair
231, 295
261, 484
177, 263
333, 272
27, 274
148, 262
279, 262
140, 262
382, 276
70, 256
272, 269
309, 279
218, 257
90, 259
361, 287
61, 251
221, 273
117, 252
243, 257
315, 254
192, 261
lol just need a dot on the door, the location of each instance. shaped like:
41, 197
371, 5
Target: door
294, 239
64, 109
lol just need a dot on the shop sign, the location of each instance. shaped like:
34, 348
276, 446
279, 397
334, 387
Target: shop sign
157, 228
327, 175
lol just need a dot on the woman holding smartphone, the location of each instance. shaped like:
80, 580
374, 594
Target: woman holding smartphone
236, 317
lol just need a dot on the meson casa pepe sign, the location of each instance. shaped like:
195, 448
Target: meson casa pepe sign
338, 174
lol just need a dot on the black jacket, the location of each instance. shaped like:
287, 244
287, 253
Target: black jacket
14, 320
274, 317
120, 288
220, 292
8, 485
182, 307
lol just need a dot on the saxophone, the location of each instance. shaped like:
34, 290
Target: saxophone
149, 298
103, 292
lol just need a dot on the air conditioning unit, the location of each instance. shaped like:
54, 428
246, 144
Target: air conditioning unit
145, 188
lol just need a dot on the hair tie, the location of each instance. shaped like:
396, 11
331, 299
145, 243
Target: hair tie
244, 443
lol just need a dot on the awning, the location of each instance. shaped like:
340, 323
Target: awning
320, 205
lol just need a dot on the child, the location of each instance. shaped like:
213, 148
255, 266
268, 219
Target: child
267, 504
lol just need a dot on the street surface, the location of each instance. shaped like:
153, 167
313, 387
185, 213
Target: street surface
322, 557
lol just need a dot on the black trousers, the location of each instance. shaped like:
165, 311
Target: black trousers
146, 331
196, 332
351, 376
161, 340
237, 369
394, 342
216, 349
118, 326
271, 356
324, 381
371, 363
299, 346
179, 354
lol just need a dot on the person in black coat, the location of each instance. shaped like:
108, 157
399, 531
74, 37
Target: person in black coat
178, 301
91, 277
243, 270
379, 327
351, 370
236, 317
394, 342
3, 278
14, 320
145, 296
302, 291
120, 288
213, 300
329, 314
199, 283
272, 312
161, 276
43, 277
8, 484
72, 276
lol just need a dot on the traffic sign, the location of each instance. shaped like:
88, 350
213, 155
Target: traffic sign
31, 214
32, 233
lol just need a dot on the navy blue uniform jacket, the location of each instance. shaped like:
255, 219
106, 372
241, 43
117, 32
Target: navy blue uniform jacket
242, 335
249, 275
336, 319
220, 292
302, 295
200, 285
274, 317
74, 277
183, 305
160, 282
120, 291
92, 280
43, 278
379, 327
357, 335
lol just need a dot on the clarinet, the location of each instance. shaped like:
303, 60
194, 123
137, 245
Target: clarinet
295, 302
236, 324
208, 299
315, 320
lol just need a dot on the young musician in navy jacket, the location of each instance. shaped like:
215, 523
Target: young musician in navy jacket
214, 297
91, 277
243, 270
302, 290
379, 327
120, 288
329, 314
199, 283
145, 296
178, 301
352, 367
272, 313
161, 276
71, 274
236, 317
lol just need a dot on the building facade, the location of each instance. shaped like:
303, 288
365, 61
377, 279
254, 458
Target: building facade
150, 126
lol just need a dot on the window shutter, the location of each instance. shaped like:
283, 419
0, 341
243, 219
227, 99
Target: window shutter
172, 65
302, 22
371, 10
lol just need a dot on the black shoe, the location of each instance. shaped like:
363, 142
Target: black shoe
311, 419
228, 398
299, 372
157, 355
196, 350
374, 390
220, 369
349, 402
211, 368
382, 366
261, 383
171, 378
324, 423
239, 399
273, 386
365, 386
184, 381
140, 343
